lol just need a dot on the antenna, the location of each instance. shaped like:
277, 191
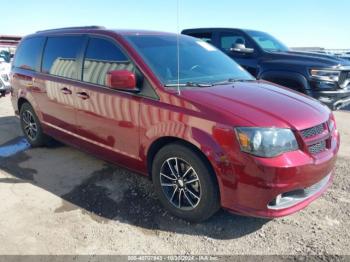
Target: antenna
178, 48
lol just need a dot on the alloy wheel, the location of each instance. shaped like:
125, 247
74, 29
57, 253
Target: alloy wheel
180, 183
29, 125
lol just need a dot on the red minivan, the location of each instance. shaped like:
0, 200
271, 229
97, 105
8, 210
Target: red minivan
180, 111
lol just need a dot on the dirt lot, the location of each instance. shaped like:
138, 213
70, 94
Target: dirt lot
59, 200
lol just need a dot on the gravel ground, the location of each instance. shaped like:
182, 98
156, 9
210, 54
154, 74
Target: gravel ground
59, 200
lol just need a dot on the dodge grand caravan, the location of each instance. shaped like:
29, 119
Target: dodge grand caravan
204, 130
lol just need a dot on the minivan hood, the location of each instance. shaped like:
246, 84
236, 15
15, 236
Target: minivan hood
259, 103
308, 59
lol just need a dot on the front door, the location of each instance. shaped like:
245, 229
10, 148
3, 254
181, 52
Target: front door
228, 40
107, 119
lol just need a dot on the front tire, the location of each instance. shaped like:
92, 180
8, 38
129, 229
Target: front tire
31, 126
185, 183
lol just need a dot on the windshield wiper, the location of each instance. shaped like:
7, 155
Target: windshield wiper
232, 80
191, 84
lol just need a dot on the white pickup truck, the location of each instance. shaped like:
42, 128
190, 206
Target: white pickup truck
4, 77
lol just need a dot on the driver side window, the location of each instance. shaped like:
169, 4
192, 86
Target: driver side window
266, 43
230, 40
101, 57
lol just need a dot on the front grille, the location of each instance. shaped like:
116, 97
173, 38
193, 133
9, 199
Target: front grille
344, 78
313, 131
318, 147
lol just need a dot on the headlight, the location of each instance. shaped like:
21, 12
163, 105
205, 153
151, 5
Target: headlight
331, 123
325, 75
266, 142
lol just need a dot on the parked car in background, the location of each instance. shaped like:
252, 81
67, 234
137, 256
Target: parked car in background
324, 52
345, 56
196, 126
6, 55
324, 77
4, 77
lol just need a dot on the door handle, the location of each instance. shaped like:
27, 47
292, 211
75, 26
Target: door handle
66, 91
83, 95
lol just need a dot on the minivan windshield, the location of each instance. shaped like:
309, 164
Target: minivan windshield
267, 42
200, 64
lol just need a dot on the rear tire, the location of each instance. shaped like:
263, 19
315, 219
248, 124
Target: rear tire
31, 126
185, 183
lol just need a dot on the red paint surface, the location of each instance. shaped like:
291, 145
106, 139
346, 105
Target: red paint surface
121, 127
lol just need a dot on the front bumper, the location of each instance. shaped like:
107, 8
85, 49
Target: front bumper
5, 87
292, 198
334, 99
259, 181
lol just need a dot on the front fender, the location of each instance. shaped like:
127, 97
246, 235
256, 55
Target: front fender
211, 142
199, 138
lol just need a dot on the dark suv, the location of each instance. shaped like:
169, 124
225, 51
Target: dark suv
324, 77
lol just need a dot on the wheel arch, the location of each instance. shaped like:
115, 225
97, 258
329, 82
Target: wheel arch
202, 142
20, 103
293, 80
161, 142
166, 140
26, 97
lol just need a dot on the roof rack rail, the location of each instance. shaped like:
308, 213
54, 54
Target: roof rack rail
73, 28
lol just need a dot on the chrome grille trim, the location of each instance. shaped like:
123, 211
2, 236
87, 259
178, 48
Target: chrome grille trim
318, 147
313, 131
344, 79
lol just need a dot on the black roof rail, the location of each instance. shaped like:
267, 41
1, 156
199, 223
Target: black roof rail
73, 28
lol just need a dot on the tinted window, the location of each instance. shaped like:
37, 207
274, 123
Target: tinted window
102, 49
60, 56
101, 57
266, 41
29, 52
207, 37
229, 40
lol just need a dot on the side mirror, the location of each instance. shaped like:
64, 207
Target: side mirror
240, 48
121, 79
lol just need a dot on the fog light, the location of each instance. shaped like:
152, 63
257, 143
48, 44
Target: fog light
278, 199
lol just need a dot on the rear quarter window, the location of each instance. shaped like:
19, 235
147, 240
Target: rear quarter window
28, 53
207, 37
